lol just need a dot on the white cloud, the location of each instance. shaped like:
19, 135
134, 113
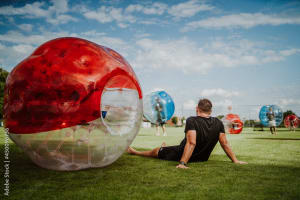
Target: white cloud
18, 38
38, 39
23, 45
23, 48
188, 9
54, 14
124, 17
122, 25
188, 56
276, 56
157, 89
12, 55
142, 35
61, 19
154, 9
219, 92
134, 8
289, 52
286, 102
101, 38
59, 6
224, 103
242, 20
290, 104
25, 27
93, 33
101, 17
189, 105
150, 21
180, 54
29, 9
108, 14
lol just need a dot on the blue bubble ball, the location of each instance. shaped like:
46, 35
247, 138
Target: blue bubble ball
158, 107
263, 114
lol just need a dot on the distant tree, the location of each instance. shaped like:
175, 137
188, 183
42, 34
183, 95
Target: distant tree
286, 113
182, 120
220, 117
258, 126
249, 123
174, 120
3, 76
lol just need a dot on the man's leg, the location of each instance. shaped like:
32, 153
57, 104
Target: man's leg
294, 126
157, 129
275, 130
271, 129
152, 153
164, 129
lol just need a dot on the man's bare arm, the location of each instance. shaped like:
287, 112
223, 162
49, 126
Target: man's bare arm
189, 147
226, 147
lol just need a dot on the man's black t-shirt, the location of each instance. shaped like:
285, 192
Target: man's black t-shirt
208, 131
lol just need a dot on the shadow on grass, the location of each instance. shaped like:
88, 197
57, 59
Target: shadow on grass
277, 130
145, 135
274, 138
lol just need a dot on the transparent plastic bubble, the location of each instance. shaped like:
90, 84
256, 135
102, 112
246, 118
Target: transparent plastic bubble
233, 124
158, 107
73, 105
291, 121
263, 114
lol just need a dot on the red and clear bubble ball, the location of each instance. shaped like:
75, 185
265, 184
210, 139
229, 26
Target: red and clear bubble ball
73, 104
291, 121
233, 124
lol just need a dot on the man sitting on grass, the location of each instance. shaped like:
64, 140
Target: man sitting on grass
202, 133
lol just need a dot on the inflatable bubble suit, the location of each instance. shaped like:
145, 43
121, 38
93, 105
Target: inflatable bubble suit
72, 105
158, 106
233, 124
263, 114
291, 121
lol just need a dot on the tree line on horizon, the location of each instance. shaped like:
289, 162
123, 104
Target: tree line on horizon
3, 76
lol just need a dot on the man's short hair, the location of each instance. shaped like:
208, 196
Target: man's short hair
205, 105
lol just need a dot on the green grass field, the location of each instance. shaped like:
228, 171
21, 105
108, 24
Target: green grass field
273, 172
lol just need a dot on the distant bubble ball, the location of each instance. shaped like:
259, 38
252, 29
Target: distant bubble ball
72, 105
291, 121
263, 114
233, 124
158, 107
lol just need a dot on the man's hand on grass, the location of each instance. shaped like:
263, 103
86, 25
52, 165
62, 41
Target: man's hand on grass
240, 162
182, 166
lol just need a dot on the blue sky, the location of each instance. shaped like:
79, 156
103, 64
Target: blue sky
239, 53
